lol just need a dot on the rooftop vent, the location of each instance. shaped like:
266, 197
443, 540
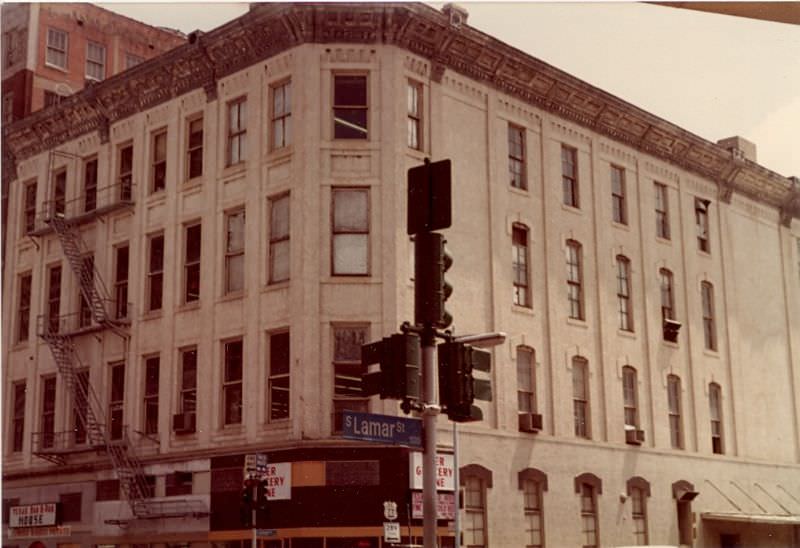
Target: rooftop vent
456, 14
740, 148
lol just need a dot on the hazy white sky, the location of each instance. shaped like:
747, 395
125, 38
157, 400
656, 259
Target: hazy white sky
714, 75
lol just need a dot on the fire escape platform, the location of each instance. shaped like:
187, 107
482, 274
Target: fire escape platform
163, 509
43, 225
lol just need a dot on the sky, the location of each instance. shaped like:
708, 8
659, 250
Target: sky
714, 75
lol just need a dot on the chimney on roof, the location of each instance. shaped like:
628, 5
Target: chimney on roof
456, 14
740, 148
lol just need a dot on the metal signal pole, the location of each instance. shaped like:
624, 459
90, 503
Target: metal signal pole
430, 412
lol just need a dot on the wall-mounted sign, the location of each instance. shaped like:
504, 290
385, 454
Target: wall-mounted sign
444, 472
41, 532
445, 505
32, 515
278, 481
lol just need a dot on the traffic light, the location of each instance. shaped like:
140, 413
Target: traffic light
457, 387
262, 501
246, 506
399, 375
431, 290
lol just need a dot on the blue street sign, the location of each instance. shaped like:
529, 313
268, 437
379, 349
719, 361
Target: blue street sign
382, 429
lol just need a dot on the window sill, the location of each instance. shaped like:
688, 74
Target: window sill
56, 67
627, 334
188, 307
231, 171
152, 315
665, 241
156, 198
519, 191
349, 278
571, 209
196, 183
702, 253
275, 286
519, 309
233, 296
20, 345
621, 226
711, 353
669, 344
277, 155
577, 323
277, 425
230, 431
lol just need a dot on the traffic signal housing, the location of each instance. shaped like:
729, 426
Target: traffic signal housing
431, 289
458, 389
399, 357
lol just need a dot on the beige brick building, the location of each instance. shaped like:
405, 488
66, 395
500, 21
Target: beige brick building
197, 250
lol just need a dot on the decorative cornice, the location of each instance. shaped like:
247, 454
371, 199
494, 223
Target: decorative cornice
268, 29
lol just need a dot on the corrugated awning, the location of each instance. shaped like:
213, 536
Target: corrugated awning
756, 502
752, 518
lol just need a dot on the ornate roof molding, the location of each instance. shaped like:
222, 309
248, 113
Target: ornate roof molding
268, 29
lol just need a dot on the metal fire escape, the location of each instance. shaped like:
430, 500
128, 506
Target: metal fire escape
92, 431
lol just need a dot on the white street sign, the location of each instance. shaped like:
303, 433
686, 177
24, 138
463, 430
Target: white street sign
391, 531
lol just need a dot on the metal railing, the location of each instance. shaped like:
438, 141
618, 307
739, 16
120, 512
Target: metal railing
65, 442
77, 322
86, 206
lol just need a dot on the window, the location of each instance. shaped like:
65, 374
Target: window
279, 367
347, 371
350, 231
619, 207
121, 282
526, 390
151, 369
519, 264
56, 54
116, 401
24, 307
194, 148
18, 417
350, 109
709, 327
701, 222
178, 483
589, 516
90, 185
132, 60
575, 279
674, 406
158, 168
155, 273
70, 504
279, 267
624, 305
81, 405
630, 397
662, 211
580, 396
54, 298
191, 263
60, 193
8, 107
474, 527
232, 383
533, 484
12, 40
51, 98
48, 418
638, 491
188, 395
414, 111
85, 313
95, 61
715, 409
667, 295
29, 207
281, 122
516, 156
234, 251
105, 490
569, 175
237, 132
126, 172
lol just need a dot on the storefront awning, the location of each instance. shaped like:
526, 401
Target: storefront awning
772, 519
750, 502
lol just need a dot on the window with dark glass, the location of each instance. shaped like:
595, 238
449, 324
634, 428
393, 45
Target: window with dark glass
71, 505
116, 401
188, 395
51, 98
80, 408
709, 324
414, 114
232, 382
630, 397
237, 132
54, 299
18, 417
674, 411
192, 263
194, 148
701, 223
516, 156
350, 108
126, 172
281, 122
619, 206
526, 393
624, 303
121, 281
158, 167
667, 295
519, 265
151, 371
234, 251
24, 307
48, 424
569, 175
662, 211
30, 207
350, 244
279, 266
155, 273
60, 193
580, 396
85, 313
90, 185
347, 371
279, 368
575, 279
589, 516
715, 409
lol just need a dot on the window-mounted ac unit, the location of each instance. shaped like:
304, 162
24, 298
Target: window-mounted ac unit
671, 329
184, 423
634, 436
530, 422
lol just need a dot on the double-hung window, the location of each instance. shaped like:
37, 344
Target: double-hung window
232, 383
414, 114
624, 303
715, 410
95, 61
60, 193
350, 107
237, 132
701, 222
151, 374
662, 211
57, 43
619, 207
155, 273
234, 251
534, 524
281, 122
279, 369
589, 516
121, 281
194, 148
279, 265
81, 405
516, 156
519, 264
126, 172
639, 514
85, 313
674, 410
18, 425
667, 294
116, 401
709, 323
48, 424
347, 372
526, 387
188, 394
580, 396
90, 185
350, 246
191, 263
569, 176
158, 167
54, 299
630, 398
24, 307
474, 512
575, 279
29, 207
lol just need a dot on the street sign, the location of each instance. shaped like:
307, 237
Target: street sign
445, 505
429, 197
390, 510
266, 533
391, 531
382, 429
255, 467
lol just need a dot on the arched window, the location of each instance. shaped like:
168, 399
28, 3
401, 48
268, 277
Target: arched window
589, 486
475, 479
638, 490
715, 412
533, 483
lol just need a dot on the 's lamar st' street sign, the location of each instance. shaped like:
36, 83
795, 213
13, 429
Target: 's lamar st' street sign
382, 429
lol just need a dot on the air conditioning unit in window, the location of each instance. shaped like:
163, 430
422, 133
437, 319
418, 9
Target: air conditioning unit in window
184, 423
671, 329
634, 436
530, 422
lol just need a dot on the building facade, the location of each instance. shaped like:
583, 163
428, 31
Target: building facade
197, 251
